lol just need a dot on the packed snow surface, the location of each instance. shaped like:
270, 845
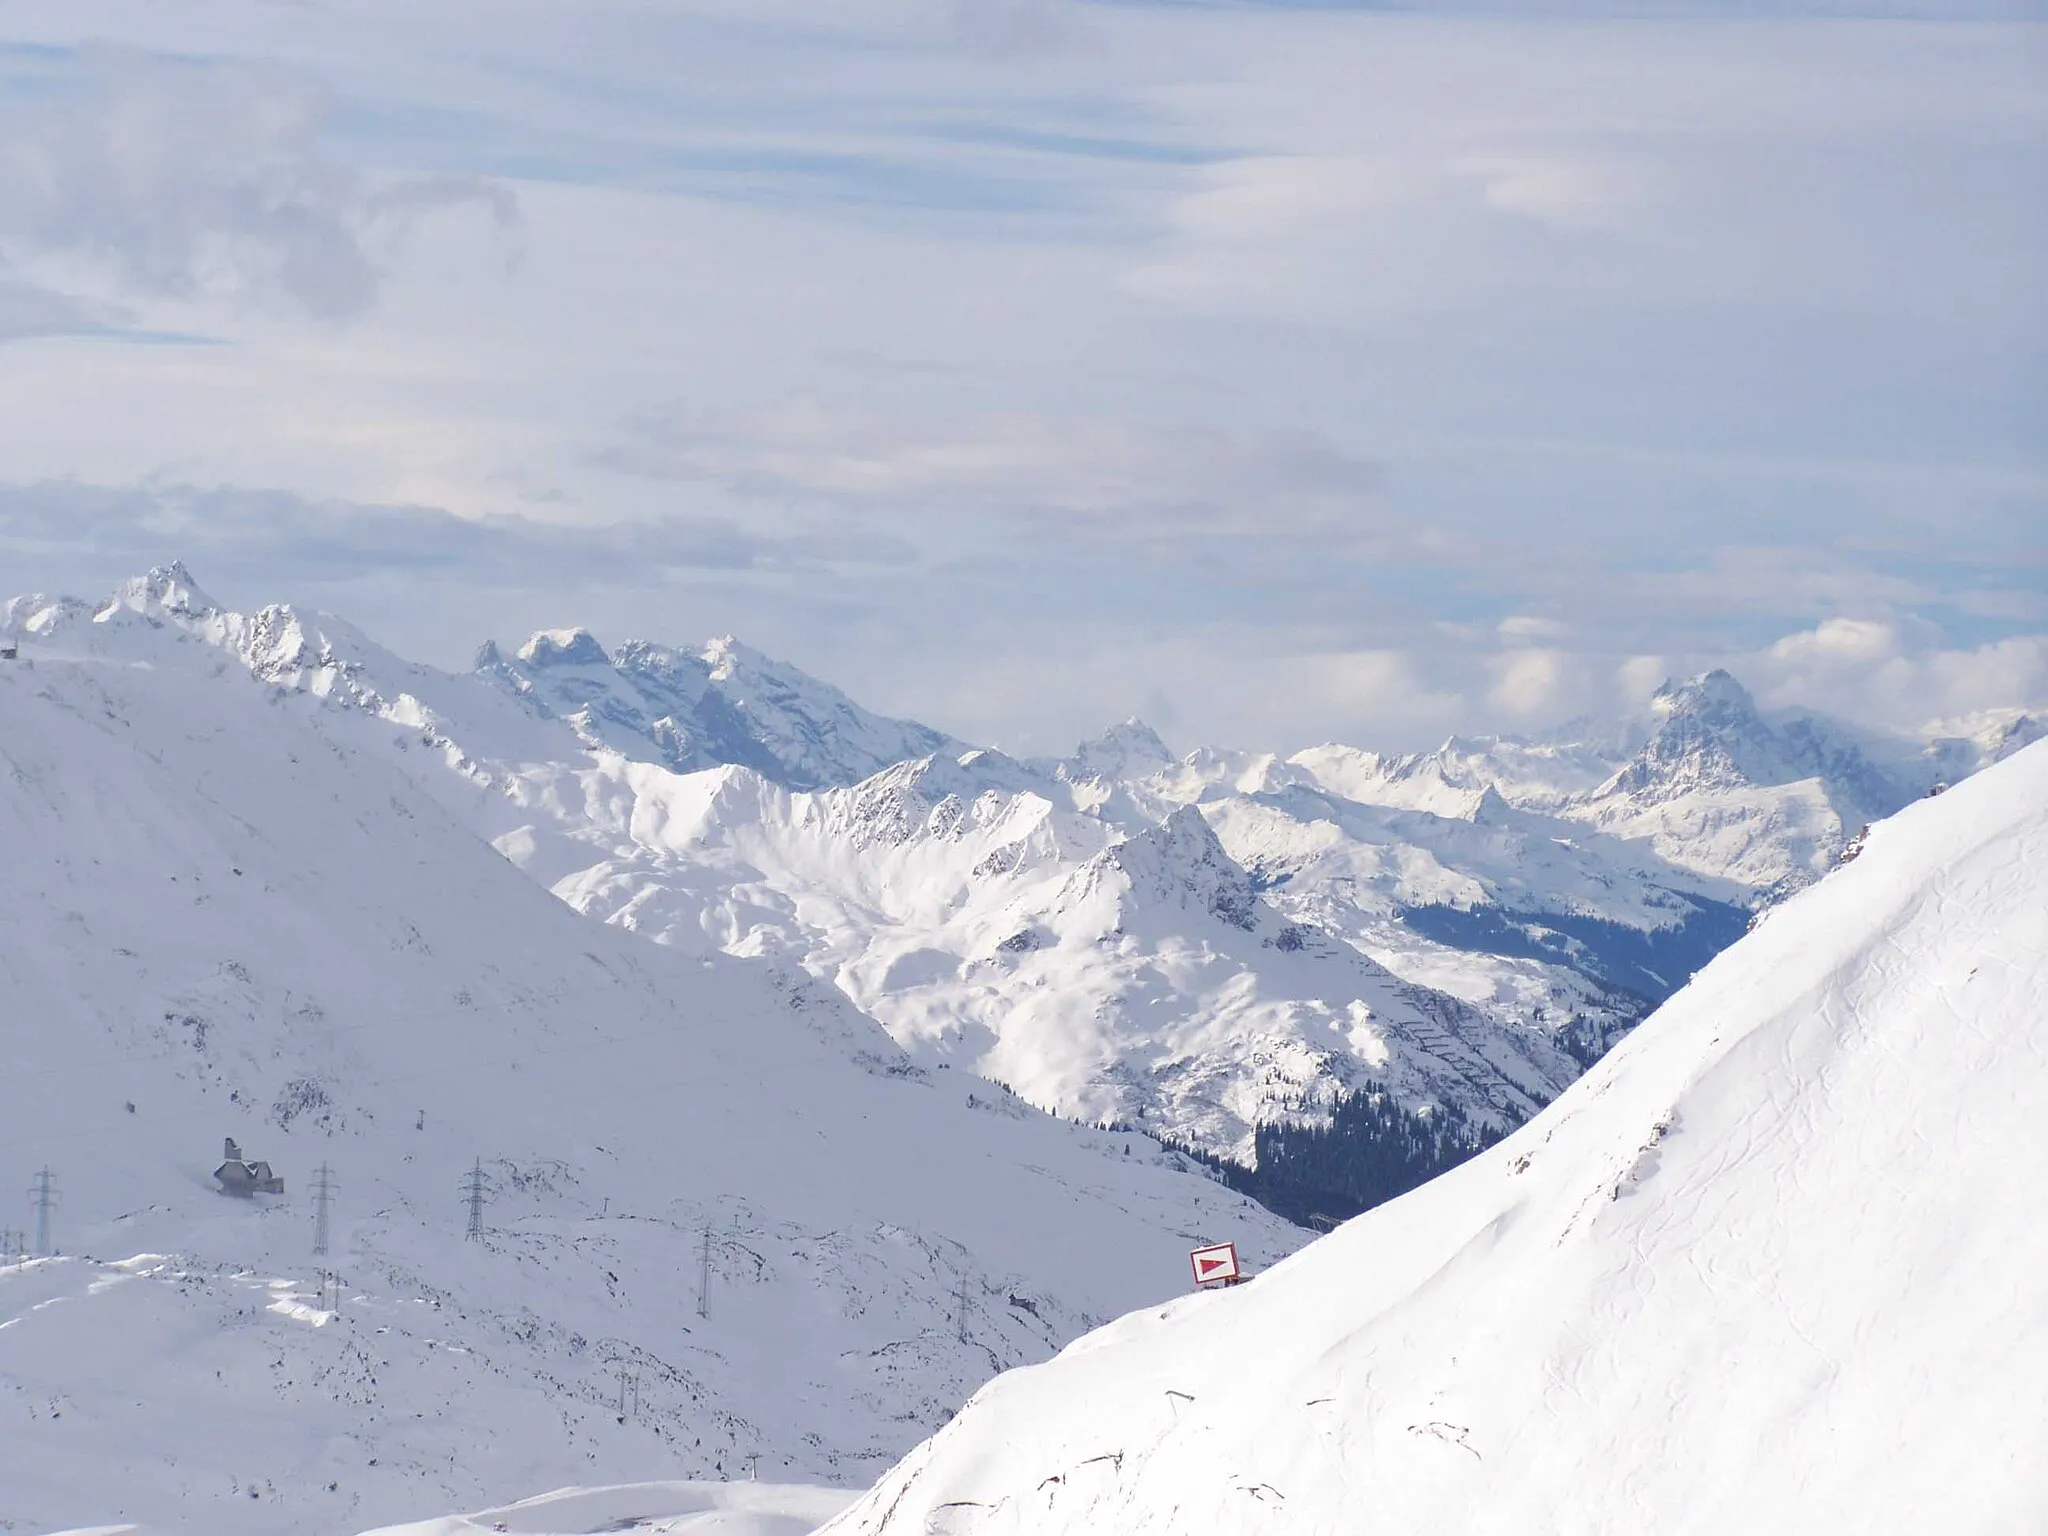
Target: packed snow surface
1779, 1263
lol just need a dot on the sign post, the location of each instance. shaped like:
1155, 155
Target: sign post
1216, 1263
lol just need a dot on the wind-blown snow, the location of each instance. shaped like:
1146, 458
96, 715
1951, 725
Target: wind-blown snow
1778, 1263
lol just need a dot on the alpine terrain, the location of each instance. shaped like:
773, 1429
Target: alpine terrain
1774, 1264
592, 1210
1406, 954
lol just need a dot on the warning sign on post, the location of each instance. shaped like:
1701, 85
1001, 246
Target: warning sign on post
1215, 1263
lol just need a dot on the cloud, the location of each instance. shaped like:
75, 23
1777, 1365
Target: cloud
1902, 674
285, 536
1385, 687
1310, 371
1528, 626
1528, 683
1164, 487
1549, 189
27, 310
1019, 27
1639, 678
201, 179
1843, 641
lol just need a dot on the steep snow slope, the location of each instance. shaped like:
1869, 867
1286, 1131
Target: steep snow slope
232, 913
1776, 1264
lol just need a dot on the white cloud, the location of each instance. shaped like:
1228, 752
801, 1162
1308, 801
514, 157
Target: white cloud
1104, 480
1551, 189
1639, 677
1839, 641
1521, 627
1896, 675
1530, 683
1488, 363
199, 179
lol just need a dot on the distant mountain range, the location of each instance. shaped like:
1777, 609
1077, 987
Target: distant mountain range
1196, 944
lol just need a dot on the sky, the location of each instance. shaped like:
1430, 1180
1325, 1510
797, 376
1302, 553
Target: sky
1279, 373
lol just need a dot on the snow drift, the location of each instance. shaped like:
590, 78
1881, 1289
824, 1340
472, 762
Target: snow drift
1778, 1263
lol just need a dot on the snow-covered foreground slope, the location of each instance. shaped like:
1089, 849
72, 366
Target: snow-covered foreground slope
650, 1509
230, 914
1778, 1263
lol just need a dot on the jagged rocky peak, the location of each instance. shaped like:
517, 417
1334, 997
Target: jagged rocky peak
1126, 750
2020, 731
1712, 697
723, 654
563, 648
1489, 805
1181, 860
665, 662
165, 589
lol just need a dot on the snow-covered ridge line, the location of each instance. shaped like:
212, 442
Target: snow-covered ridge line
1464, 927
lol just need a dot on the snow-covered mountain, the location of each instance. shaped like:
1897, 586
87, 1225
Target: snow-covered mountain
691, 710
728, 1222
1199, 944
1774, 1265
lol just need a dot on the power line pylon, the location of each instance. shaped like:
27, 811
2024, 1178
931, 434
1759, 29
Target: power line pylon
44, 1193
704, 1276
476, 1184
324, 1190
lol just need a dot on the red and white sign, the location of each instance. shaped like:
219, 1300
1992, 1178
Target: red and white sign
1215, 1263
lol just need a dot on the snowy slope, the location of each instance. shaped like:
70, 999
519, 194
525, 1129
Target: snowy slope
650, 1509
233, 911
1775, 1264
1135, 978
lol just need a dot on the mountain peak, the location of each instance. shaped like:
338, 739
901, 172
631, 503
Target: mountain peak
1181, 861
1128, 748
1710, 695
563, 648
723, 655
166, 588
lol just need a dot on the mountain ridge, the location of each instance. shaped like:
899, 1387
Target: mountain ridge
1544, 895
